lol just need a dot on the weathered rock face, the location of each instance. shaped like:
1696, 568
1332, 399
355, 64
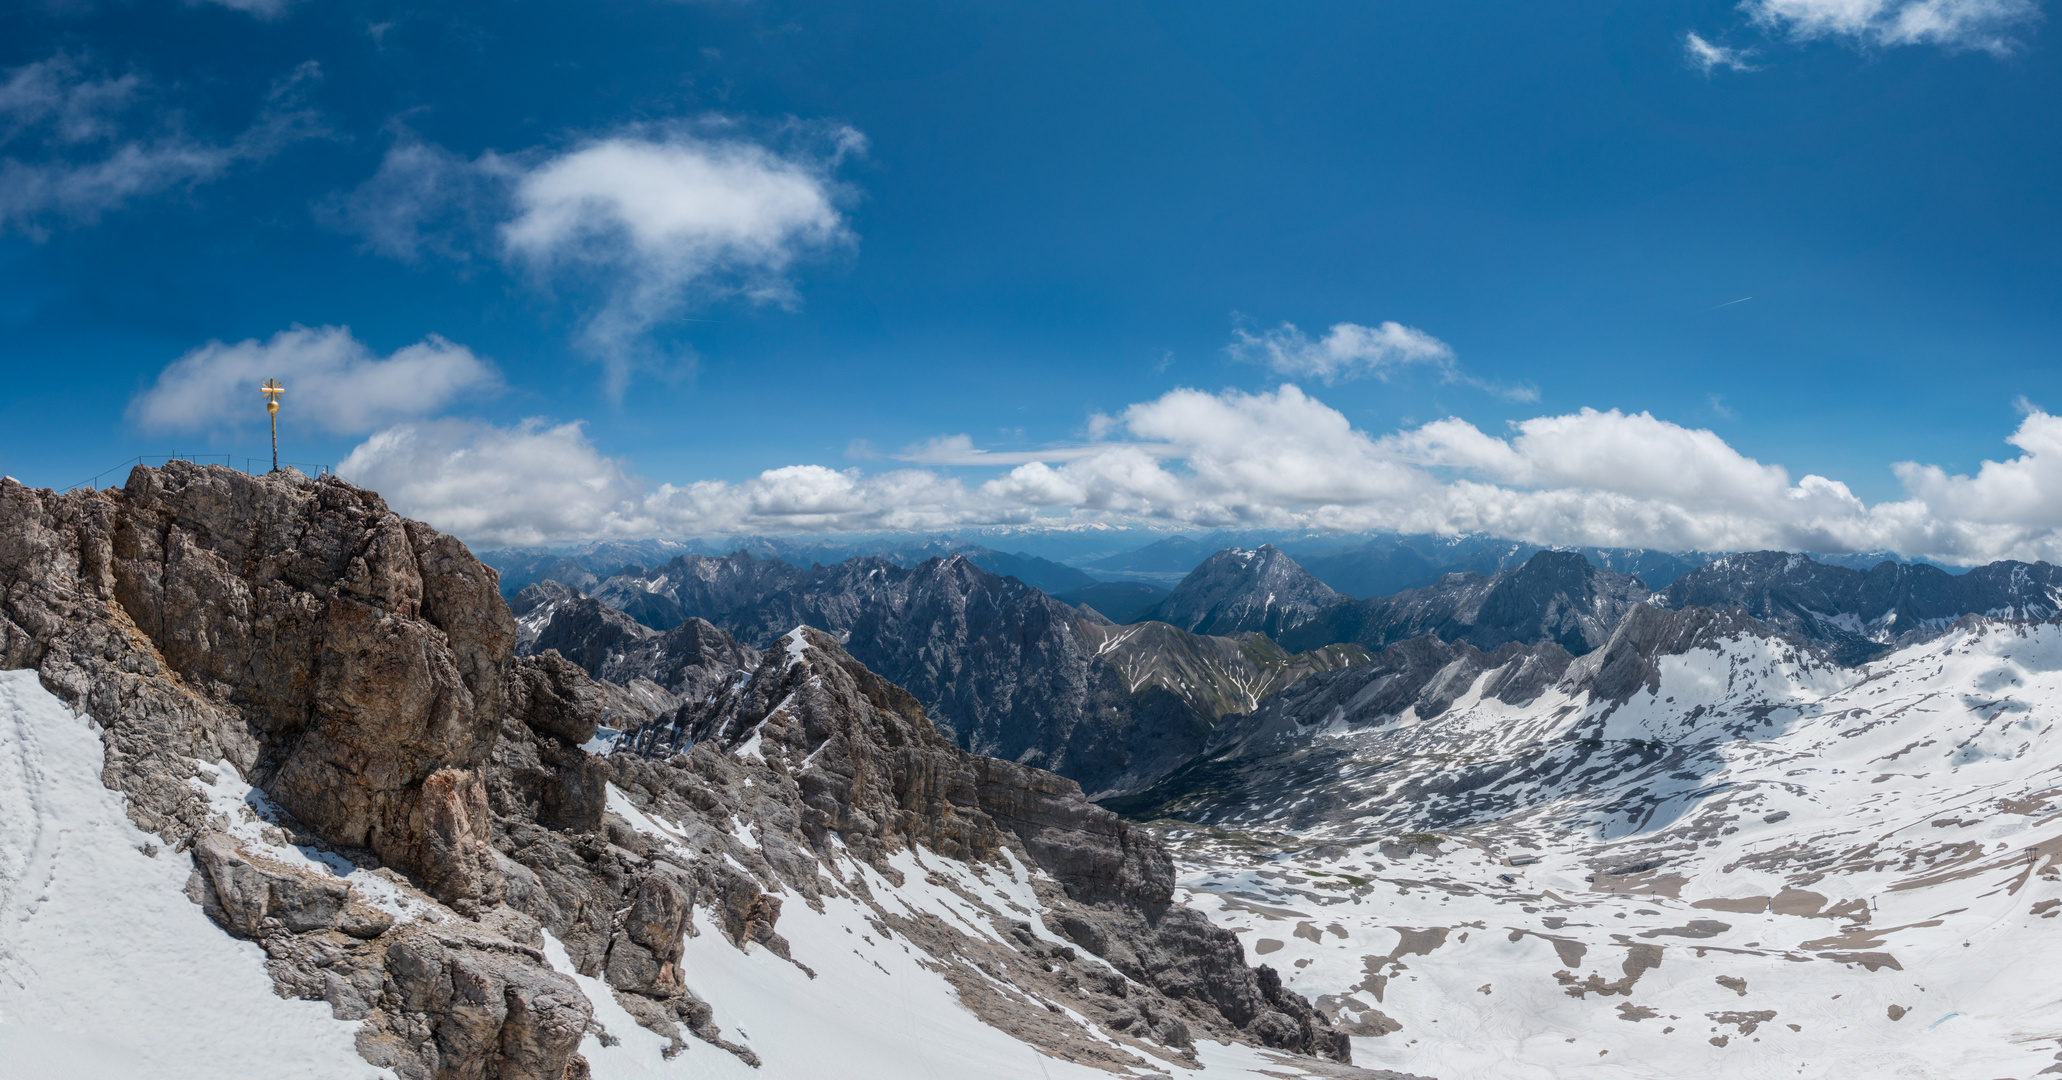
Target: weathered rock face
351, 661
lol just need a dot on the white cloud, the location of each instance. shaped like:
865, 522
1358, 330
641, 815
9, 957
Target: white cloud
1351, 351
642, 225
536, 484
333, 382
672, 218
72, 154
1347, 351
528, 484
960, 450
1276, 459
1988, 25
1708, 57
57, 91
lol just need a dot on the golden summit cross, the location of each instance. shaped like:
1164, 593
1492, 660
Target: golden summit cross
272, 390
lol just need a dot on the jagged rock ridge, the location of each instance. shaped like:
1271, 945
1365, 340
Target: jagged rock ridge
1861, 614
1005, 669
1553, 596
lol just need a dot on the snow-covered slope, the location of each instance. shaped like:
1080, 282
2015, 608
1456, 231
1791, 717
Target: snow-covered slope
1796, 870
107, 970
857, 1002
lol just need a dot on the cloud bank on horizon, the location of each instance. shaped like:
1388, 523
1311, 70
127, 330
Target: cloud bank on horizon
1274, 459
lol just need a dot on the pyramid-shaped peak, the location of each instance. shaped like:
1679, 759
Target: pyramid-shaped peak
1237, 591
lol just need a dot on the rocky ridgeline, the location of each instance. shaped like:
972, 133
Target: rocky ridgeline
692, 661
1001, 667
362, 670
1560, 597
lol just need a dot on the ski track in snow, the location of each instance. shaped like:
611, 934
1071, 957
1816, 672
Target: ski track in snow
1863, 884
107, 970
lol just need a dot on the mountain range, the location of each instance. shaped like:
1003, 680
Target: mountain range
1560, 596
1001, 667
281, 749
1008, 670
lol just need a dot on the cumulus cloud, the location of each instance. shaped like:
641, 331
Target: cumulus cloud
642, 225
526, 484
1275, 459
337, 382
1707, 57
671, 218
74, 152
1988, 25
532, 483
960, 450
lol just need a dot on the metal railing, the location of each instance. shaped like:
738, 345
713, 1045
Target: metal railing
249, 465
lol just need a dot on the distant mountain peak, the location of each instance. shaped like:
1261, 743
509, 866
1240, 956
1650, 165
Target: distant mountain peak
1237, 590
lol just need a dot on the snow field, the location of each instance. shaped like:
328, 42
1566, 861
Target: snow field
107, 970
1870, 857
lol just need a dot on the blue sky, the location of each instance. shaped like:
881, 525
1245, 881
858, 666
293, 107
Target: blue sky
957, 264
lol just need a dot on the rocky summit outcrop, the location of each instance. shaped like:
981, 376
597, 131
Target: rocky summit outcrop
353, 661
356, 666
323, 706
1238, 591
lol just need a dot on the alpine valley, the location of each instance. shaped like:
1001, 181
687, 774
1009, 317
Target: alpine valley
281, 756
